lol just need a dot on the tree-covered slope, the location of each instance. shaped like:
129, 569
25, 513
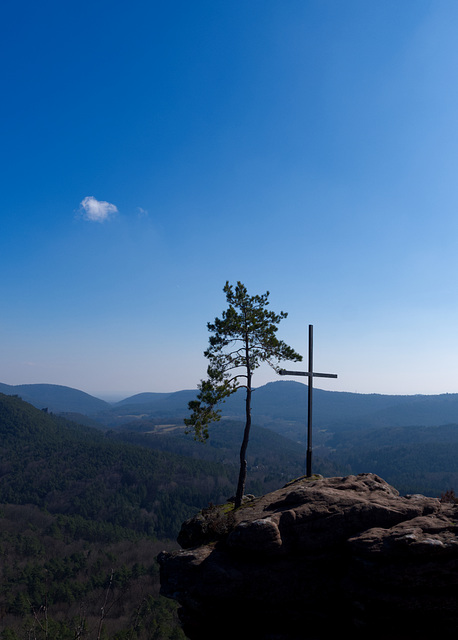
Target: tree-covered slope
56, 398
69, 469
146, 482
272, 458
280, 406
414, 459
62, 579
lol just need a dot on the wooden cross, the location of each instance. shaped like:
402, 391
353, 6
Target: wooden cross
310, 374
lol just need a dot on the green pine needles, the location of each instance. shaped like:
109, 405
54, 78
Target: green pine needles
241, 340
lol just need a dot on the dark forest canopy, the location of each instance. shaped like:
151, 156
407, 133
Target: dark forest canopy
146, 482
76, 470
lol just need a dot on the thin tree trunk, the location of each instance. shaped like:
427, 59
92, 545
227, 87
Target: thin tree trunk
246, 434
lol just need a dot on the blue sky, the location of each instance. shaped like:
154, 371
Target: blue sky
151, 151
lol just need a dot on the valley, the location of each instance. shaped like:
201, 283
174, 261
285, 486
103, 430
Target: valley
90, 491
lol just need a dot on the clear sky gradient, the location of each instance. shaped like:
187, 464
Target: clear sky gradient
151, 151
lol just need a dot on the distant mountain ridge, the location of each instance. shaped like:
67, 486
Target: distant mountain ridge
281, 406
56, 398
287, 400
412, 441
143, 398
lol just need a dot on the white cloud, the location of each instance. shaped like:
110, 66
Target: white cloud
96, 210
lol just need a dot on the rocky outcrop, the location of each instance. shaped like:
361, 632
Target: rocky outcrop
318, 558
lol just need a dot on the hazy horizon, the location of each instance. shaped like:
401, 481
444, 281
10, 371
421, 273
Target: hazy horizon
116, 397
153, 151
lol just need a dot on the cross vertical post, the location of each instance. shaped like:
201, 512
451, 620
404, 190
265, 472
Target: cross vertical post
309, 409
310, 374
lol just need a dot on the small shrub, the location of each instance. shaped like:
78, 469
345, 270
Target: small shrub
449, 496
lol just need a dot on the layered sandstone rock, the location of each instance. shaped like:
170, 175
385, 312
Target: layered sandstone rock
316, 559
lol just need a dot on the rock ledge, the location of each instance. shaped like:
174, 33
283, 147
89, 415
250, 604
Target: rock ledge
317, 558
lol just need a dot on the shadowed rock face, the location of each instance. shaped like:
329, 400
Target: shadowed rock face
316, 559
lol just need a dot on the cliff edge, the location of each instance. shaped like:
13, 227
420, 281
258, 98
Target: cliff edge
318, 558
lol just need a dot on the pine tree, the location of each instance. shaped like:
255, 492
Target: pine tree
241, 340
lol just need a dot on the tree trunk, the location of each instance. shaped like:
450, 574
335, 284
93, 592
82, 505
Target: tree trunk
246, 434
243, 449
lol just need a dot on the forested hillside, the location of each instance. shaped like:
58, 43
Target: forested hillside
148, 482
76, 470
63, 579
79, 521
342, 423
83, 514
413, 459
280, 406
84, 511
56, 398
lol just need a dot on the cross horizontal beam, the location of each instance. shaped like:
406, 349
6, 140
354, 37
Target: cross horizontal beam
310, 374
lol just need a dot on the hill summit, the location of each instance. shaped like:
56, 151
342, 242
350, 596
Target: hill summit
56, 398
